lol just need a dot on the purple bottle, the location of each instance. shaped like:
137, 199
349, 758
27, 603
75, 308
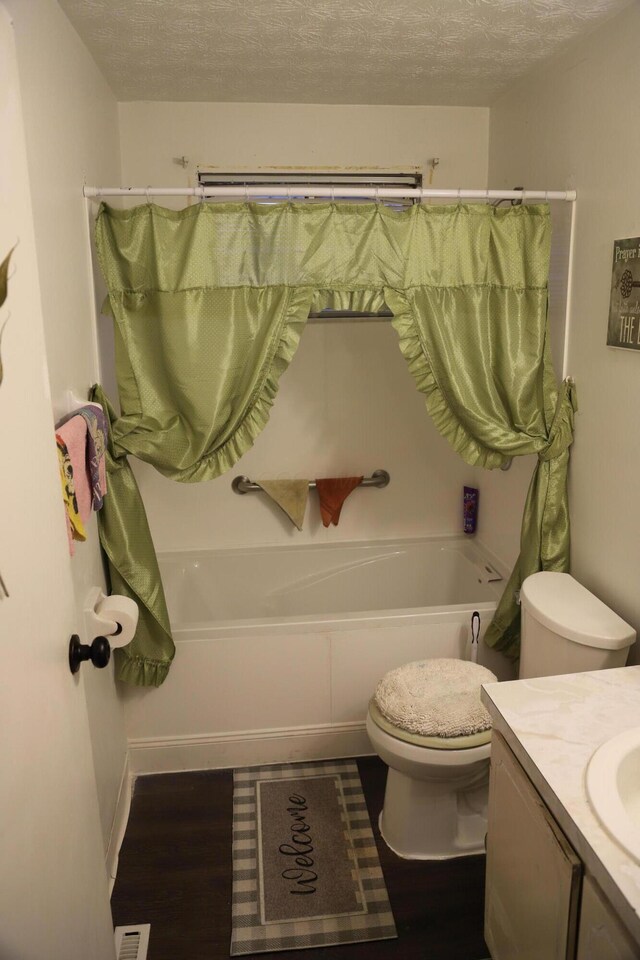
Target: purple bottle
470, 504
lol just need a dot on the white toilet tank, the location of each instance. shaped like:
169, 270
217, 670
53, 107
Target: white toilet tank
566, 629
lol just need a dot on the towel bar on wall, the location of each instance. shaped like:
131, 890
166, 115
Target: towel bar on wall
379, 478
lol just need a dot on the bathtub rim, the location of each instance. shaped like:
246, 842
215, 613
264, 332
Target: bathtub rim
312, 623
471, 540
185, 631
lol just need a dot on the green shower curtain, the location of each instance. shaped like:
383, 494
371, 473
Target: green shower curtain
209, 303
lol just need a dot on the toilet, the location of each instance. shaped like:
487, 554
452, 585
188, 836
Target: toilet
436, 796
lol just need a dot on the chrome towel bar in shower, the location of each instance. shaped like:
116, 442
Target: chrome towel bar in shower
379, 478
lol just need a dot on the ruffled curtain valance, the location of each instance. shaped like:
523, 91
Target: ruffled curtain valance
209, 304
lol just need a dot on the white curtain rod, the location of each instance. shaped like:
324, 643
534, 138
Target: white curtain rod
295, 191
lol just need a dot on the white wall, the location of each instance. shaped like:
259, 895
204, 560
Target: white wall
234, 135
573, 125
54, 899
72, 135
347, 404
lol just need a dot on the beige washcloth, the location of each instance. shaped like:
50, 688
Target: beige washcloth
290, 495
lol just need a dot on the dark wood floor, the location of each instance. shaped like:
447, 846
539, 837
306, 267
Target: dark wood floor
175, 873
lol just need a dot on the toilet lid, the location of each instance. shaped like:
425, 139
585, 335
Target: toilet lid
435, 743
435, 698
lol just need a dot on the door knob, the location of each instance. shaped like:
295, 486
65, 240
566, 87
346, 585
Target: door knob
99, 652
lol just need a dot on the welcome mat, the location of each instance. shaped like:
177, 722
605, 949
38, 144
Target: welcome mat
306, 871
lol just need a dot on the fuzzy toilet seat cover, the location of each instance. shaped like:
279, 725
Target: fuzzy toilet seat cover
435, 698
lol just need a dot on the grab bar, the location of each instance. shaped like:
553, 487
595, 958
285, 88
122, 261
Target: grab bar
379, 478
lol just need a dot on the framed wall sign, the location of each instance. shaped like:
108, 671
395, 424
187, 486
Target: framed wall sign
624, 307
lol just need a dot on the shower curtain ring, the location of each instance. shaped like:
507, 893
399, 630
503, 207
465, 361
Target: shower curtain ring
378, 195
333, 194
147, 193
246, 193
459, 192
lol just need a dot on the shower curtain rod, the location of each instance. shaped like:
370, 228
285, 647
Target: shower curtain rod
295, 191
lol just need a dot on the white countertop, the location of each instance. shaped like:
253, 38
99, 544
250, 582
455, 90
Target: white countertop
553, 725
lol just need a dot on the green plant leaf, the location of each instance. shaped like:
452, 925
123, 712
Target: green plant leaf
4, 283
4, 277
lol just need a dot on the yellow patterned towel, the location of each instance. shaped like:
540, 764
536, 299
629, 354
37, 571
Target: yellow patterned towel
290, 495
75, 526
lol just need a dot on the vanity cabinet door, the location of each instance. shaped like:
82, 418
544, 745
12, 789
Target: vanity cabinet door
533, 874
601, 936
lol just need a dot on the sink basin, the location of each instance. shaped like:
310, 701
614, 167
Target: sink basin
613, 788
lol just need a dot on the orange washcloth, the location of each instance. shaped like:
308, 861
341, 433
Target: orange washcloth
332, 493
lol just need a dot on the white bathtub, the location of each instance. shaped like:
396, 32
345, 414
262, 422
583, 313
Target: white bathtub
279, 648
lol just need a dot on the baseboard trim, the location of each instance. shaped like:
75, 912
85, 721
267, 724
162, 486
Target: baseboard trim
247, 747
120, 820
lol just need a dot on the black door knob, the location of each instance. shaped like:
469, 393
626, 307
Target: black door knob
99, 652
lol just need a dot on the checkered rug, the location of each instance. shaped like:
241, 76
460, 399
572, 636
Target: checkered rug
258, 908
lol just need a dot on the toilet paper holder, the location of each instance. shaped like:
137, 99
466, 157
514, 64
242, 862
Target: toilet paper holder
103, 628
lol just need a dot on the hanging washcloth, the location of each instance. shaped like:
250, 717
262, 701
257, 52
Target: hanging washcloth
75, 526
290, 495
96, 441
73, 434
93, 414
332, 493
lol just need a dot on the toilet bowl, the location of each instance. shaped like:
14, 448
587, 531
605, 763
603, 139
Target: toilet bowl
436, 795
437, 786
427, 723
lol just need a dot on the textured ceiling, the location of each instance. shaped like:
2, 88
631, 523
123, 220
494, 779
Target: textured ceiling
326, 51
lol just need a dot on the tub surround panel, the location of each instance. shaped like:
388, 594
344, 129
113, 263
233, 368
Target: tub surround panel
346, 406
237, 689
361, 657
553, 725
226, 685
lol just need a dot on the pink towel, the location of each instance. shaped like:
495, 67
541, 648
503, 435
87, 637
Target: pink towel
74, 435
97, 431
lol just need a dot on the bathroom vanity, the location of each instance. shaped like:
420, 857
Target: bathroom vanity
558, 886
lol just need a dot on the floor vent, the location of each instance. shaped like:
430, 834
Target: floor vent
132, 943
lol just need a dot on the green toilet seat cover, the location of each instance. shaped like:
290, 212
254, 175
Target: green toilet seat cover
436, 743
